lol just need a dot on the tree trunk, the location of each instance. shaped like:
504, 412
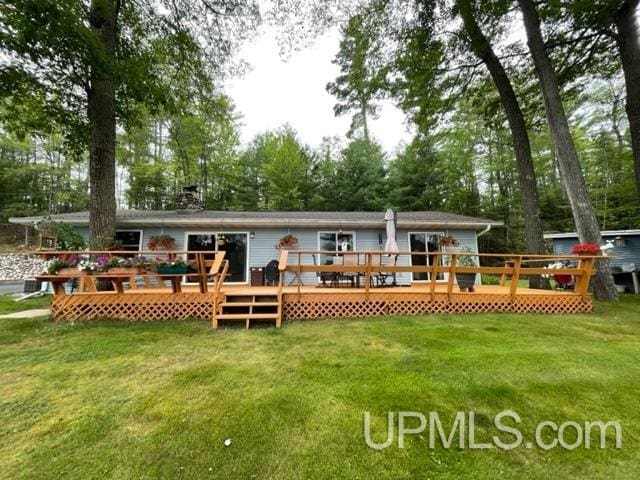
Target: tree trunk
102, 124
583, 213
629, 47
481, 47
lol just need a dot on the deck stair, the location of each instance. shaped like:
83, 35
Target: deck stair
248, 308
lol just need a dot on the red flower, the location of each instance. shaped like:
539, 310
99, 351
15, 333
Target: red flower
585, 249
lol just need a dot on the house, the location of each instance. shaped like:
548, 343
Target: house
625, 254
250, 239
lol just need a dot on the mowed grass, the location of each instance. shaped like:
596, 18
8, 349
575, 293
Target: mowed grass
157, 400
8, 303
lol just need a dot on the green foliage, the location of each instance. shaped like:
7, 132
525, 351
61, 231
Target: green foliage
489, 279
68, 238
283, 166
416, 178
163, 58
360, 177
362, 74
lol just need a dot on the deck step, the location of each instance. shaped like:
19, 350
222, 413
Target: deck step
246, 316
249, 304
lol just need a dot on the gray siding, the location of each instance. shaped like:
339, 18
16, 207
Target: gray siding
630, 253
262, 248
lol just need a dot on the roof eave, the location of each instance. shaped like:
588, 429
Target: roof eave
270, 222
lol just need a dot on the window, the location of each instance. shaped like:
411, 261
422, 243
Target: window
335, 242
234, 244
130, 239
423, 242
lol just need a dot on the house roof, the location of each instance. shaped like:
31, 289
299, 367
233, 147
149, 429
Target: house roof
604, 233
211, 218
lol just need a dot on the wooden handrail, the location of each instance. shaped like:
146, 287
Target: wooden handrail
513, 268
537, 257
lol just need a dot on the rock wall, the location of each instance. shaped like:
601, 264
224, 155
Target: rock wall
18, 266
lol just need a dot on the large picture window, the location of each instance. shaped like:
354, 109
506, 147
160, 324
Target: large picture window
334, 242
130, 240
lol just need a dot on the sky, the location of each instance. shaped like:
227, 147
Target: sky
275, 92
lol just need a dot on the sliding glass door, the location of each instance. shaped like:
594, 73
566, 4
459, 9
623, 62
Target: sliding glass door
234, 245
423, 242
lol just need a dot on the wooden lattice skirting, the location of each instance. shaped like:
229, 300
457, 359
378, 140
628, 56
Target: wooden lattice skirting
157, 306
318, 306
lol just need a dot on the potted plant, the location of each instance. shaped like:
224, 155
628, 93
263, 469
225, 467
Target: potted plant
585, 249
114, 265
288, 241
161, 241
174, 267
466, 281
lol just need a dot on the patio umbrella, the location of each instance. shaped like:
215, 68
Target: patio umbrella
390, 218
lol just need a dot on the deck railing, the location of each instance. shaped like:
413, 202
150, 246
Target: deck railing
514, 266
209, 266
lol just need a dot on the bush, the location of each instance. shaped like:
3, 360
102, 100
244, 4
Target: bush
490, 280
68, 238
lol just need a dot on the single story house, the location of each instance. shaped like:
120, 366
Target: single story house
251, 238
625, 254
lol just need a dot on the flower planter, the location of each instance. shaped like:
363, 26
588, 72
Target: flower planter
123, 271
71, 272
173, 269
466, 280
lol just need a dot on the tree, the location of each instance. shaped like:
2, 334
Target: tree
584, 216
628, 40
88, 67
481, 47
360, 177
278, 168
415, 180
361, 76
615, 24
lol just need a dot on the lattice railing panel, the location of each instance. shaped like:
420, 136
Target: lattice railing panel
294, 310
141, 307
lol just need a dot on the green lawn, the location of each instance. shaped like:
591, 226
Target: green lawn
117, 400
8, 303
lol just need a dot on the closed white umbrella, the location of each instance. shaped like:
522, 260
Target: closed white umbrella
390, 218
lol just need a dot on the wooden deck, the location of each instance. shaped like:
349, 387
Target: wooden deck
220, 302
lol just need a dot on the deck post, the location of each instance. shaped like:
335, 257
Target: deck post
367, 277
434, 277
515, 276
452, 274
582, 287
282, 265
503, 278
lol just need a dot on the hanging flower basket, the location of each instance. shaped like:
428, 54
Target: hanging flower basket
161, 241
585, 249
287, 242
447, 241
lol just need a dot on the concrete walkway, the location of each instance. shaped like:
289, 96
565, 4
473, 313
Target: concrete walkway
36, 312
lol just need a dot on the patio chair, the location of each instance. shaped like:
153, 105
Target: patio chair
331, 277
378, 274
353, 277
271, 272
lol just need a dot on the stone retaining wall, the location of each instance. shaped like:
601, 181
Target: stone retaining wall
18, 266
